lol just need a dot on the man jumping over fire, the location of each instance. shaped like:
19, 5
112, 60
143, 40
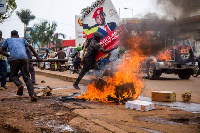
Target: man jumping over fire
89, 59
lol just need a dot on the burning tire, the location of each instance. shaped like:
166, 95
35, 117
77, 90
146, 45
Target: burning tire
152, 73
184, 75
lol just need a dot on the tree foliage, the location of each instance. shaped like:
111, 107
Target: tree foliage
10, 7
44, 33
25, 16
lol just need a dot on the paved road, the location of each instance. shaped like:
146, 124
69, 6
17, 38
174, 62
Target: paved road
171, 82
167, 82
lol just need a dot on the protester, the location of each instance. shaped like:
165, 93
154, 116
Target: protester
30, 65
76, 61
61, 55
47, 54
18, 61
89, 59
3, 66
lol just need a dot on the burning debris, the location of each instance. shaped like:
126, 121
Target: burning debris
125, 83
186, 96
46, 91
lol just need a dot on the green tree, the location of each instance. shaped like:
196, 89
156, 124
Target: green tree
25, 16
56, 40
44, 33
10, 7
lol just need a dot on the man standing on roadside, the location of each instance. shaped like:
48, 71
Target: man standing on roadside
18, 61
3, 66
61, 55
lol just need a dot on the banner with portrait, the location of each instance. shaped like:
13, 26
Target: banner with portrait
102, 17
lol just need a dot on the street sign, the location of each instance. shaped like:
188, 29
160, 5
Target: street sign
2, 6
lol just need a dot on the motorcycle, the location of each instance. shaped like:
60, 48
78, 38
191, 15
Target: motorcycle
61, 66
78, 67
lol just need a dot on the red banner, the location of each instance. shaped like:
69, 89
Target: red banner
111, 40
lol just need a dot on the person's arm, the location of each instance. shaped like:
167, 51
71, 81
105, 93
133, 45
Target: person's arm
107, 51
33, 51
2, 51
3, 48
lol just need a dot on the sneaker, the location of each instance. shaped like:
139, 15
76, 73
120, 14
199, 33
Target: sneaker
33, 98
20, 90
76, 86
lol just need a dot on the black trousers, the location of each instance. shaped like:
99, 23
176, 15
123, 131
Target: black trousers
22, 65
87, 65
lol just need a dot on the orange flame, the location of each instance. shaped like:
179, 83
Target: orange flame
128, 72
164, 55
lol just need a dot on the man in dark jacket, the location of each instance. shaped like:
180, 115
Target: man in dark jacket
89, 59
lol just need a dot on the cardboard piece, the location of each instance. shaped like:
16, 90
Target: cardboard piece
140, 105
163, 96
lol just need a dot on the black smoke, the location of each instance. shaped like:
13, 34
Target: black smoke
180, 8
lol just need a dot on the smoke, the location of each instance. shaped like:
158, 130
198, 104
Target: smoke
180, 8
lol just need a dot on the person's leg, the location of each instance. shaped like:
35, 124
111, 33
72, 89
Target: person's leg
3, 72
97, 72
85, 69
26, 77
102, 64
14, 69
32, 72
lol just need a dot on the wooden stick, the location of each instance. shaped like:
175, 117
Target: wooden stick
49, 60
85, 43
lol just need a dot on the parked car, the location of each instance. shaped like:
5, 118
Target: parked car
182, 61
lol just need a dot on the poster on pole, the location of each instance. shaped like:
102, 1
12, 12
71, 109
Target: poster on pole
102, 17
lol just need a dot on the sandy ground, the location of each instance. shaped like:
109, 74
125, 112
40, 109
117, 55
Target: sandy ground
50, 114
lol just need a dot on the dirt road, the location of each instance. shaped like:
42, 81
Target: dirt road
49, 114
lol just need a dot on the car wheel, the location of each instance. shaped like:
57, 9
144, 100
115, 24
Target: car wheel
152, 73
184, 75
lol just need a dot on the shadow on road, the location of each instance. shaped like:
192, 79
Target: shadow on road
162, 78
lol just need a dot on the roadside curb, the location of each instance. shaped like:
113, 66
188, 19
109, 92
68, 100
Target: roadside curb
61, 77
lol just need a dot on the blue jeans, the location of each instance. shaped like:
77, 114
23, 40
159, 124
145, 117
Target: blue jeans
3, 72
103, 62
